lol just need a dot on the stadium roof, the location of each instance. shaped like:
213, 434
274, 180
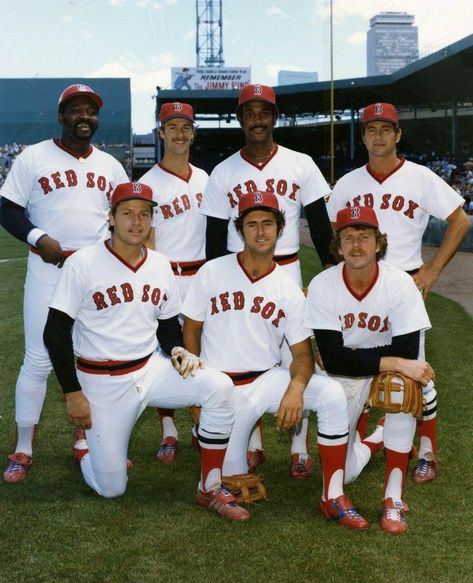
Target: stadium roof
440, 78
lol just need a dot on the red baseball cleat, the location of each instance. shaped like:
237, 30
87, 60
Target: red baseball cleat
167, 452
425, 471
222, 502
393, 519
19, 464
342, 510
301, 466
254, 458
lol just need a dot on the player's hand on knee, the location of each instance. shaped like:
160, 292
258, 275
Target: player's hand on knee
51, 251
185, 362
290, 408
419, 370
78, 410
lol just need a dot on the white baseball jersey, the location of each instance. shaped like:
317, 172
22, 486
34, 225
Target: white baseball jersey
115, 306
403, 202
292, 176
245, 319
64, 195
179, 226
392, 306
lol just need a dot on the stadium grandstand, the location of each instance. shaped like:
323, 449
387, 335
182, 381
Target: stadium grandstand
434, 96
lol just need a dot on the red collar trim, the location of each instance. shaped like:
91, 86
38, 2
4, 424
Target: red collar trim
367, 291
248, 275
382, 177
125, 263
74, 154
186, 178
255, 164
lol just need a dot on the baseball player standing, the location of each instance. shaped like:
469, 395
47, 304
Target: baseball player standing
113, 301
404, 195
367, 317
297, 182
179, 231
56, 199
238, 310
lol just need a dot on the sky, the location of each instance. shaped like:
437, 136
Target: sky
143, 39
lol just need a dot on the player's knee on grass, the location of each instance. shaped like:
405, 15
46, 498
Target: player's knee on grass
110, 484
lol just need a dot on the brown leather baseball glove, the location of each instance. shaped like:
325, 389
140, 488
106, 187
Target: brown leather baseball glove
393, 392
246, 487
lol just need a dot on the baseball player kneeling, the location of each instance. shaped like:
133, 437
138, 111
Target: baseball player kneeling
238, 311
368, 316
114, 300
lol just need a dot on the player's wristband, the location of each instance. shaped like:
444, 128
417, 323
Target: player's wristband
34, 236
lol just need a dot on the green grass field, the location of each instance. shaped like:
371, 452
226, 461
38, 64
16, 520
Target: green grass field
53, 528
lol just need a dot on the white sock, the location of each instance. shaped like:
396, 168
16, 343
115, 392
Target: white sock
25, 439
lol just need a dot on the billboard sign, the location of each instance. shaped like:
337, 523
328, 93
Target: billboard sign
210, 78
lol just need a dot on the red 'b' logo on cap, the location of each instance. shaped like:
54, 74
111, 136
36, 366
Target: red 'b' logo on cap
258, 197
355, 213
178, 106
378, 109
137, 188
258, 90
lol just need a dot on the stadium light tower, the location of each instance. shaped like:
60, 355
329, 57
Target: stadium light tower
209, 40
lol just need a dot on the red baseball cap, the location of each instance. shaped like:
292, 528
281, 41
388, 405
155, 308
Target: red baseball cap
257, 93
380, 112
176, 109
79, 89
356, 216
258, 199
132, 191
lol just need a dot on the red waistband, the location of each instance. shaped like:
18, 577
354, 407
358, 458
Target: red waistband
286, 259
187, 267
66, 253
246, 377
111, 367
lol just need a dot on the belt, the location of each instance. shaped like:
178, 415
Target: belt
245, 378
413, 271
286, 259
111, 367
187, 267
66, 253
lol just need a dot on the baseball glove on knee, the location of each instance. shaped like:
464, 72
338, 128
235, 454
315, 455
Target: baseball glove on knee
246, 487
393, 392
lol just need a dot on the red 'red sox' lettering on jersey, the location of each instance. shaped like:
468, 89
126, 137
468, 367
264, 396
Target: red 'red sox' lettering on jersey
265, 310
68, 178
292, 176
281, 187
125, 293
226, 301
179, 226
392, 307
364, 320
404, 201
397, 203
180, 205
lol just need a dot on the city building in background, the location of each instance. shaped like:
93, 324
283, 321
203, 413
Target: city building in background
392, 42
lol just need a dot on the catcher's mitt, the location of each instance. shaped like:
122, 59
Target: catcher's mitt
246, 487
393, 392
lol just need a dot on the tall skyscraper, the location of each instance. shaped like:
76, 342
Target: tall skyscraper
392, 42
